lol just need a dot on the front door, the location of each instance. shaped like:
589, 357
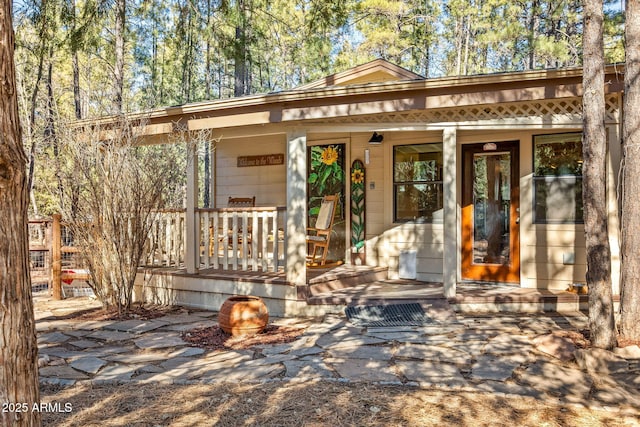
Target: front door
490, 212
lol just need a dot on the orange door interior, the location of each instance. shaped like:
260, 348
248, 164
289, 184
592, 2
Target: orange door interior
490, 213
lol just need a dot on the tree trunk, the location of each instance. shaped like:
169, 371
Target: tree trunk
18, 347
240, 54
76, 85
119, 55
601, 322
534, 25
75, 65
630, 293
42, 50
240, 64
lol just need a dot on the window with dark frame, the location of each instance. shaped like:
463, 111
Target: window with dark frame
417, 182
557, 178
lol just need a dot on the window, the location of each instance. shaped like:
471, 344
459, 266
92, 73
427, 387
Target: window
417, 182
557, 178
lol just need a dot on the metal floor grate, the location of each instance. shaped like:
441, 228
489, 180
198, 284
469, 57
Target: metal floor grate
410, 314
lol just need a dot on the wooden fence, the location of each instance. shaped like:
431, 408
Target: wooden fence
53, 258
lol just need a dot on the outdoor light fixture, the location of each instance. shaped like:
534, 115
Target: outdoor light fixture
376, 138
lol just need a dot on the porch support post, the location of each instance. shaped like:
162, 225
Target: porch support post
191, 258
213, 169
296, 226
450, 244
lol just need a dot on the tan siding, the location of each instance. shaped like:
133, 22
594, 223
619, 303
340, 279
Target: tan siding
267, 183
385, 239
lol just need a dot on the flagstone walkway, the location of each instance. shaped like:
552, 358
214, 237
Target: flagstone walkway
510, 354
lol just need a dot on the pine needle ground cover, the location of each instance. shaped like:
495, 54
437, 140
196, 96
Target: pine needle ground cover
318, 403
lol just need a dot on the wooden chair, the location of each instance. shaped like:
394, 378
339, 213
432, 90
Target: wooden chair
233, 202
319, 236
241, 202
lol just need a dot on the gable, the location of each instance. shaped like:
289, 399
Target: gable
377, 71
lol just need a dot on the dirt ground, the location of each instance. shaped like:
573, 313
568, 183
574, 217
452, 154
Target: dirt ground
308, 404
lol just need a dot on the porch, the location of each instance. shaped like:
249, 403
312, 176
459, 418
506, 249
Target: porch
242, 252
330, 290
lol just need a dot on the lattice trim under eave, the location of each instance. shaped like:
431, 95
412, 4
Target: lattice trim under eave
565, 110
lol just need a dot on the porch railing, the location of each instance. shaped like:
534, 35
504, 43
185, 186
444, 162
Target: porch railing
249, 239
166, 244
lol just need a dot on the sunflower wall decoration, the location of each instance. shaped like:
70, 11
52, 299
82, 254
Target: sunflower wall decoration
357, 210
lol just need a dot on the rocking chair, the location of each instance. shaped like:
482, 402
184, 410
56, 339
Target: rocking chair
318, 237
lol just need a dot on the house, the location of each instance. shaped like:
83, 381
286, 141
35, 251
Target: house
467, 179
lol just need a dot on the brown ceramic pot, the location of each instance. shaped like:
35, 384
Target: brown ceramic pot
243, 315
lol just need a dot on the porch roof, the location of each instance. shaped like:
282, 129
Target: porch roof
317, 101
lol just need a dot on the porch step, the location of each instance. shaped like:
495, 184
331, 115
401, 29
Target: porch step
379, 291
474, 297
534, 301
337, 279
470, 298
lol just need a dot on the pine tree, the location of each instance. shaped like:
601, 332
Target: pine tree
18, 345
630, 295
601, 322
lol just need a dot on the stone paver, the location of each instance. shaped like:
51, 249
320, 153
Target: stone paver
504, 354
554, 345
346, 339
84, 344
63, 371
430, 373
116, 373
308, 368
404, 337
490, 367
107, 350
53, 338
186, 352
146, 357
302, 346
306, 351
433, 353
509, 344
107, 335
363, 370
367, 352
159, 340
631, 352
181, 327
136, 326
61, 352
89, 365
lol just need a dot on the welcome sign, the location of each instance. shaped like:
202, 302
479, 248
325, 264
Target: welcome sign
263, 160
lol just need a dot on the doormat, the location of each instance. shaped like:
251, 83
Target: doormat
410, 314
